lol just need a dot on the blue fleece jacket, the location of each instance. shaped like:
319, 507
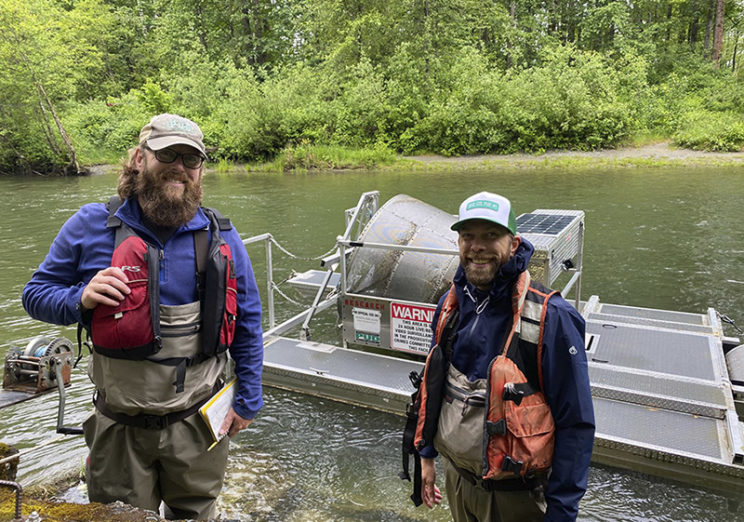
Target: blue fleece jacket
565, 373
84, 246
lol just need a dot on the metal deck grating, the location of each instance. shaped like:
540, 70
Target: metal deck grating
670, 431
667, 352
646, 321
649, 313
377, 372
667, 391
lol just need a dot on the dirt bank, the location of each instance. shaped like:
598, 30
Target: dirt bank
655, 154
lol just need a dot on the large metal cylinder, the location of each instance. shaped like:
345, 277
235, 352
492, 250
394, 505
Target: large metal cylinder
735, 362
397, 274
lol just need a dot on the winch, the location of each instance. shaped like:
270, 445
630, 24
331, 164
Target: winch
38, 366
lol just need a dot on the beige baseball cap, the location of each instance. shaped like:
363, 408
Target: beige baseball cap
165, 130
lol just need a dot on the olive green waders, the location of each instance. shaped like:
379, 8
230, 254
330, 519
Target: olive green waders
471, 503
143, 467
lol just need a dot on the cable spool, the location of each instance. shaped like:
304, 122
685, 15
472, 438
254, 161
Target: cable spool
34, 367
57, 346
35, 345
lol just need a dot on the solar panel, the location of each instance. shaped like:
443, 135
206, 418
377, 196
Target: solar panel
551, 224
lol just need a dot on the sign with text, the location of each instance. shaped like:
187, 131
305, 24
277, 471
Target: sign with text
410, 327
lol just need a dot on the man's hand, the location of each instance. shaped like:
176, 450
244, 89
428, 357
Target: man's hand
108, 287
233, 423
430, 493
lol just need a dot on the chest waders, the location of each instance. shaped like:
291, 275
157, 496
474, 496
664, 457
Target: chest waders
498, 432
155, 364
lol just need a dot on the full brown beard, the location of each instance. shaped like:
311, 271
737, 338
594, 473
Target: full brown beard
160, 205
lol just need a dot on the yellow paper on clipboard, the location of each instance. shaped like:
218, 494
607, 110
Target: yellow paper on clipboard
215, 410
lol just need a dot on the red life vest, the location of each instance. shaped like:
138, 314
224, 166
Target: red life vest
131, 330
518, 427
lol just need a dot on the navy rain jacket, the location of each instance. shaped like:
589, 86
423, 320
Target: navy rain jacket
565, 373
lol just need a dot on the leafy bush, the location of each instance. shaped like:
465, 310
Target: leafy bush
570, 102
716, 131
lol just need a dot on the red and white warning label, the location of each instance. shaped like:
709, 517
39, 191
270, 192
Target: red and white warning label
410, 327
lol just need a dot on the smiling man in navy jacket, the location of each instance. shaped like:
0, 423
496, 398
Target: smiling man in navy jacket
514, 420
166, 289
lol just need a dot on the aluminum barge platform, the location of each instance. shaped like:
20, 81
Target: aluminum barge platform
668, 387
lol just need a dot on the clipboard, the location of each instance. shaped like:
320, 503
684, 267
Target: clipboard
215, 410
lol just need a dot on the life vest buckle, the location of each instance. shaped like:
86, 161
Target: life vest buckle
496, 428
511, 465
512, 393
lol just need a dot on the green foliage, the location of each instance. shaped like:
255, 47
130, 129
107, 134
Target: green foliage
716, 131
445, 76
569, 102
308, 157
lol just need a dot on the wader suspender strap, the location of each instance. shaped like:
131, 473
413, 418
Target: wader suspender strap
201, 247
201, 252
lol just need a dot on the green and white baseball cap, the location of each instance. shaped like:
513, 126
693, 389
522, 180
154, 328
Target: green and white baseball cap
488, 206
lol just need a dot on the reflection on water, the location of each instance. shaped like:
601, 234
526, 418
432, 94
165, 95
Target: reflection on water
658, 238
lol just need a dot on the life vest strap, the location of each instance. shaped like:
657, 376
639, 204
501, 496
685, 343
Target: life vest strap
408, 449
181, 363
513, 466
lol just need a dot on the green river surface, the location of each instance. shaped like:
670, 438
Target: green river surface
667, 238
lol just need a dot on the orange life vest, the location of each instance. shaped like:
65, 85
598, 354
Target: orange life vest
518, 427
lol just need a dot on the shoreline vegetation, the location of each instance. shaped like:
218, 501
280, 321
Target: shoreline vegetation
288, 82
320, 159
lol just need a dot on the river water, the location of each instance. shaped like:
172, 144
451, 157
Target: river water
666, 238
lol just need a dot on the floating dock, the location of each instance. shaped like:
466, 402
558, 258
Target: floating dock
665, 402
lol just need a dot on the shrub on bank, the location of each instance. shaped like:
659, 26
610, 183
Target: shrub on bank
715, 131
569, 102
571, 99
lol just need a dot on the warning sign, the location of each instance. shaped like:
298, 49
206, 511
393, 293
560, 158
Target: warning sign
410, 327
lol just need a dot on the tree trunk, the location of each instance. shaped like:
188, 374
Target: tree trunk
73, 157
512, 13
718, 33
48, 133
733, 55
709, 28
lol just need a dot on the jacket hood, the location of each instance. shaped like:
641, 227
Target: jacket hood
508, 272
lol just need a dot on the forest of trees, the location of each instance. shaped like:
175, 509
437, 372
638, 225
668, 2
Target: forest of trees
80, 77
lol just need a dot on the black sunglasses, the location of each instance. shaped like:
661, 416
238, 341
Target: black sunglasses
189, 160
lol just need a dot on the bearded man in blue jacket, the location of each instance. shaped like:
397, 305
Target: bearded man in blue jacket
515, 422
165, 288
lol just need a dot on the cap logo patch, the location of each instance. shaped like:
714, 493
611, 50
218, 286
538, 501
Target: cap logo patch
180, 126
482, 203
